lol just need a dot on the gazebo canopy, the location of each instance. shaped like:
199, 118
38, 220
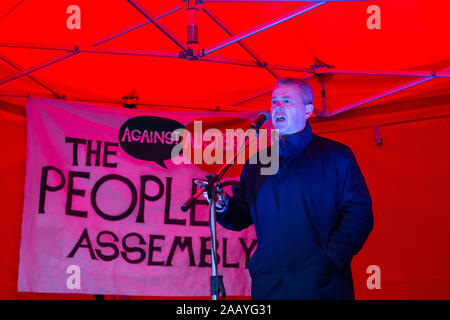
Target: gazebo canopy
356, 54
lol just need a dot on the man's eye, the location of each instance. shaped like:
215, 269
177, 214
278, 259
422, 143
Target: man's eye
283, 101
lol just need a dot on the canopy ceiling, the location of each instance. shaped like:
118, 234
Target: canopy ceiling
119, 49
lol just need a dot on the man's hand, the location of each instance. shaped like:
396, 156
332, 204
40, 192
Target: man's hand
221, 199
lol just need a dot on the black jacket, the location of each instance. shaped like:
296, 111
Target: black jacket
310, 219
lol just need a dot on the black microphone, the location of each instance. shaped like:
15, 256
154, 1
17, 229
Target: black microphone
262, 117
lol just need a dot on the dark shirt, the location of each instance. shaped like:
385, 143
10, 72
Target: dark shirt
310, 219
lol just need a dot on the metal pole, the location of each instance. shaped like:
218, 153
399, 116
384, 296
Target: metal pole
247, 63
400, 73
120, 102
260, 28
221, 24
257, 95
39, 82
376, 97
71, 53
159, 25
234, 1
131, 52
26, 71
35, 46
212, 226
262, 93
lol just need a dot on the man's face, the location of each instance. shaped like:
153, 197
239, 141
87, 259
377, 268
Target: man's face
289, 114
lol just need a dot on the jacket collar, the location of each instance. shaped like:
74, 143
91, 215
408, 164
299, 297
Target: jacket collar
296, 142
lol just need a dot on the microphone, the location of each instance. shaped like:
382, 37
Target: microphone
262, 117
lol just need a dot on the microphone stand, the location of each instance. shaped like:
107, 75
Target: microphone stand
213, 187
217, 286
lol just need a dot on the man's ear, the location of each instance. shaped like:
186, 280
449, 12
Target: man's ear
309, 109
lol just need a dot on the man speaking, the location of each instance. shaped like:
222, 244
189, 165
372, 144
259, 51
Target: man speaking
311, 217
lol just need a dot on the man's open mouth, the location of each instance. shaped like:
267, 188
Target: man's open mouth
280, 118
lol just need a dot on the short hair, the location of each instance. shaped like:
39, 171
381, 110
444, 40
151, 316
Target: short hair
305, 89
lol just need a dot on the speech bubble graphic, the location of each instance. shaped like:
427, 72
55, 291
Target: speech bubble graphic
149, 138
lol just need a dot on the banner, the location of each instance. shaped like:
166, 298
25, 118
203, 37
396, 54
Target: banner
102, 209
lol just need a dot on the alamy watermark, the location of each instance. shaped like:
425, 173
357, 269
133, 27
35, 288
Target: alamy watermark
227, 147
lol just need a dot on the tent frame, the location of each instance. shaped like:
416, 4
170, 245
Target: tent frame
187, 52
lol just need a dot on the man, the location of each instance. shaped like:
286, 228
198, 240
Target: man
311, 217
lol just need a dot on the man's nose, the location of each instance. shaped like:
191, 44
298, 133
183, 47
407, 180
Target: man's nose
277, 105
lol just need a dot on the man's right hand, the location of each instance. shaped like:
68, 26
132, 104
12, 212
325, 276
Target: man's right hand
221, 200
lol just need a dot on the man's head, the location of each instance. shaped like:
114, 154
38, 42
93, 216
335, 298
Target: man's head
292, 105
